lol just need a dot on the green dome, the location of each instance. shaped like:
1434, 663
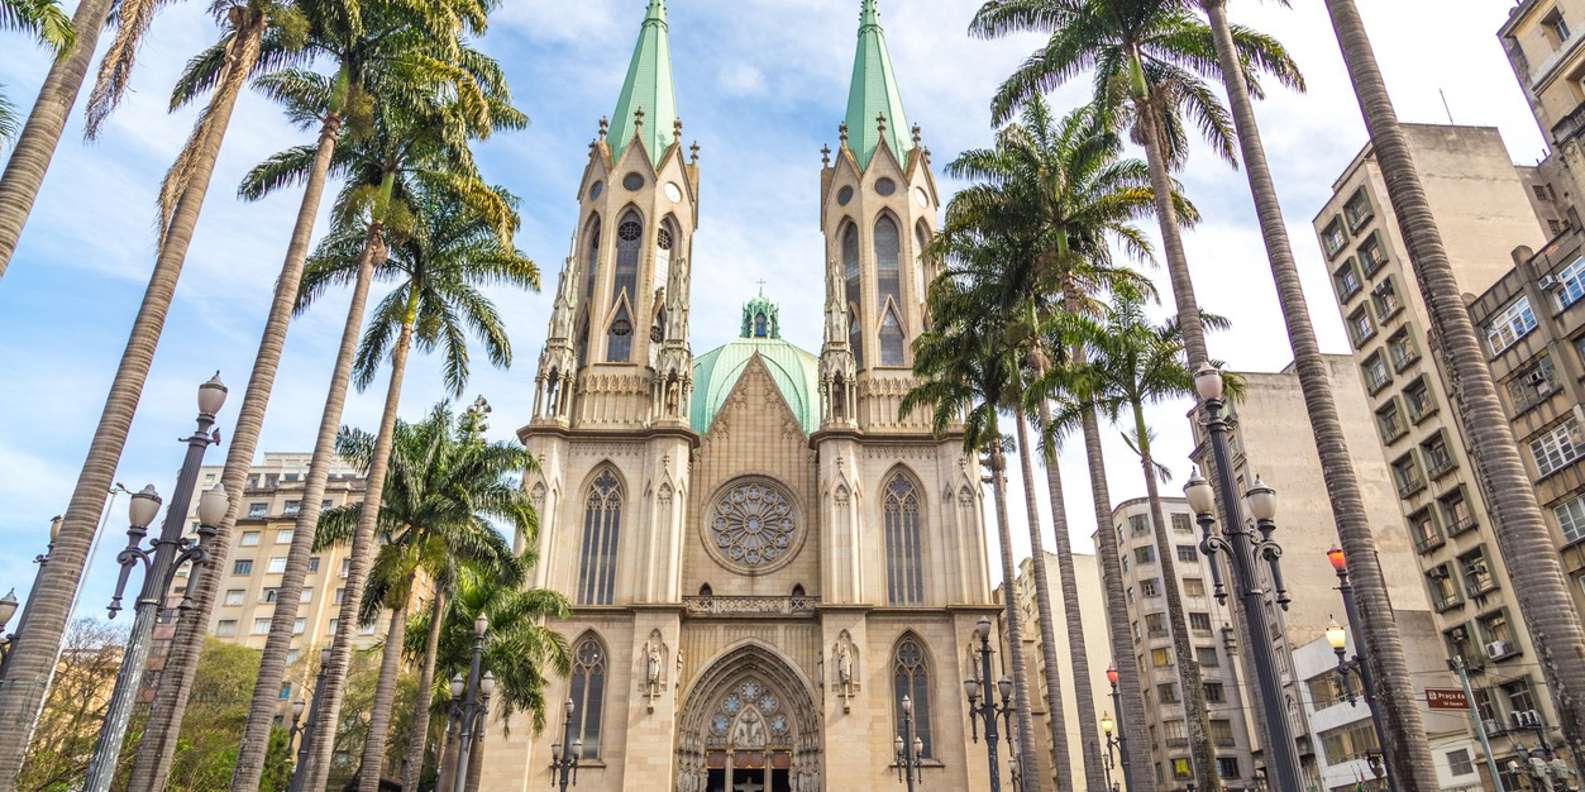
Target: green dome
796, 372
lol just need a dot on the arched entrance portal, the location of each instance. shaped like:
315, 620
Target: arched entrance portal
749, 725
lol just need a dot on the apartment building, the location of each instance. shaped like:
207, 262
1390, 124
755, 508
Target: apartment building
1092, 612
1482, 207
259, 545
1543, 39
1211, 630
1333, 704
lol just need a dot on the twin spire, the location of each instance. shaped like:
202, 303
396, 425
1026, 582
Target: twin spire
647, 106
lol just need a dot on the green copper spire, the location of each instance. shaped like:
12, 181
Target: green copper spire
874, 93
648, 88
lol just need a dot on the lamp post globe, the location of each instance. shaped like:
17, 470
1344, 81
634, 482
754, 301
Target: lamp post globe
143, 507
211, 396
55, 527
8, 608
1336, 636
1108, 725
1202, 499
1262, 501
1208, 383
212, 505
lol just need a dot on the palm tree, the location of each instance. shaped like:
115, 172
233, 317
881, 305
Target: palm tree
382, 51
1149, 60
444, 486
519, 649
969, 372
1132, 364
1526, 544
28, 669
452, 249
43, 19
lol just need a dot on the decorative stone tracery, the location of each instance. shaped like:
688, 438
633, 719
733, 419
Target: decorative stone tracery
752, 526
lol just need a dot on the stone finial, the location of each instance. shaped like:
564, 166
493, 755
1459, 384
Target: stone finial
605, 126
842, 132
918, 135
676, 129
638, 120
880, 122
694, 150
825, 156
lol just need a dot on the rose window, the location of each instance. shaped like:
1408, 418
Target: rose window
752, 525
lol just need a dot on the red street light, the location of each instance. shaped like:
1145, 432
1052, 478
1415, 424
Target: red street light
1335, 555
1111, 674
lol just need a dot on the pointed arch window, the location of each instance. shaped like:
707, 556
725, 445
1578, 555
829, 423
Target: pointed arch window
921, 262
761, 325
888, 291
904, 556
665, 242
628, 236
591, 257
911, 678
602, 529
587, 693
892, 346
619, 342
852, 292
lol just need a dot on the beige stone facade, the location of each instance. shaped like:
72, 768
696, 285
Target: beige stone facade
762, 555
1481, 205
1543, 39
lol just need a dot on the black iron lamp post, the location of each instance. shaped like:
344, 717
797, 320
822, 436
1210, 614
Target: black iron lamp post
296, 731
8, 605
909, 749
1358, 666
1245, 552
564, 763
985, 712
475, 704
1121, 741
298, 776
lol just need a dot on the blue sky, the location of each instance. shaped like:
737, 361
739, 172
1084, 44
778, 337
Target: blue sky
761, 84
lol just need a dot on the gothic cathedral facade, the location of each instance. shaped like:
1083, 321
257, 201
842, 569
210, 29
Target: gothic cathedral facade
763, 557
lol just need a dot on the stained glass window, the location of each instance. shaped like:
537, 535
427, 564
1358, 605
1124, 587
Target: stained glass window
911, 678
588, 694
602, 528
904, 564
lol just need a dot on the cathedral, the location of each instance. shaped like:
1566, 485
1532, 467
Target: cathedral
764, 558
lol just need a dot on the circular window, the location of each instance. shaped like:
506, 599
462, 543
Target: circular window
663, 239
673, 192
752, 527
885, 186
596, 190
632, 181
921, 197
629, 231
844, 195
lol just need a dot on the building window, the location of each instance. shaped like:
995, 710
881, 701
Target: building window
1570, 516
1460, 763
1402, 349
588, 694
1334, 237
904, 555
1425, 530
1456, 516
1193, 587
1222, 733
1345, 743
1189, 554
911, 678
1150, 588
1406, 474
249, 539
1139, 525
285, 537
1495, 629
1346, 279
1385, 297
1438, 456
1555, 448
602, 528
226, 628
258, 511
1358, 210
1532, 384
331, 628
1372, 254
853, 291
1571, 283
1512, 323
1555, 24
242, 566
269, 595
1215, 692
1156, 625
1478, 578
1145, 554
1360, 326
1167, 693
1181, 523
313, 564
261, 626
888, 292
291, 508
234, 596
299, 626
1389, 421
1417, 400
277, 565
1227, 767
1200, 622
1161, 658
1375, 373
1521, 699
1443, 588
1461, 644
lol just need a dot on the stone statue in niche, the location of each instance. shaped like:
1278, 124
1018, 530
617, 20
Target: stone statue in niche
654, 680
750, 732
844, 661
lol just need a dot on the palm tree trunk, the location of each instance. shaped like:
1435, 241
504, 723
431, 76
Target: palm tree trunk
32, 661
363, 545
1195, 716
35, 148
384, 700
1527, 547
413, 763
1061, 767
152, 764
1172, 234
1412, 768
1014, 634
1094, 774
447, 756
476, 755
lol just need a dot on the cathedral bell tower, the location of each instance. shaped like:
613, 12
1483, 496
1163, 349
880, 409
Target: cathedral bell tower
617, 354
878, 206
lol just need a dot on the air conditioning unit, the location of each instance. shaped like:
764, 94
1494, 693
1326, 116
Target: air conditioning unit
1526, 719
1497, 650
1493, 726
1546, 281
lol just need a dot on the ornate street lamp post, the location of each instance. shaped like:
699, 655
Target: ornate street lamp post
1121, 740
307, 732
1359, 665
564, 763
1245, 553
475, 704
984, 713
909, 749
8, 605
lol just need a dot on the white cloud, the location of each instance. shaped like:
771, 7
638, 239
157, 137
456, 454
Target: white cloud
742, 79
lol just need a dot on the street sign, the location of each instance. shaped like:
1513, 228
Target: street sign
1446, 699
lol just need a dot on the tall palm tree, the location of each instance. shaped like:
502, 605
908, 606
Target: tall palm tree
1527, 547
383, 49
1378, 630
44, 20
451, 251
1068, 192
33, 658
969, 370
1148, 61
444, 487
520, 650
1134, 363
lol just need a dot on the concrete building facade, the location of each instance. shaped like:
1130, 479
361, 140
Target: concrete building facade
1545, 43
